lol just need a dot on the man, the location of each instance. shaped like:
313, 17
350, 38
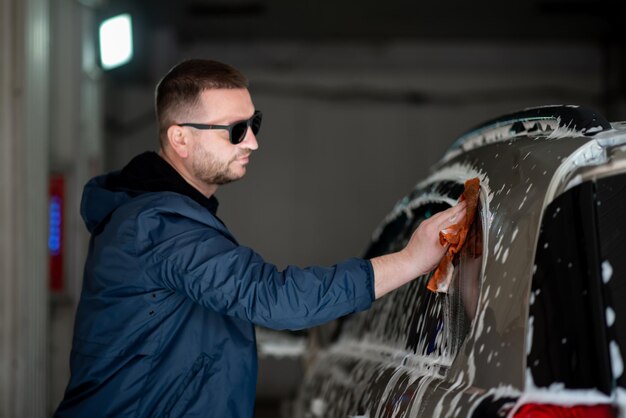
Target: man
165, 323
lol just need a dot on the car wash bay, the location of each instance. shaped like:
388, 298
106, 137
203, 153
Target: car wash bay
358, 102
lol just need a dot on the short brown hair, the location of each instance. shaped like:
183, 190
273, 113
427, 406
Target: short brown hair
179, 91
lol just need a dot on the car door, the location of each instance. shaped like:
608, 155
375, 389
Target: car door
393, 360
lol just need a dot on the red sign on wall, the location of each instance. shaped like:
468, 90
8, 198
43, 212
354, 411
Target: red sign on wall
56, 203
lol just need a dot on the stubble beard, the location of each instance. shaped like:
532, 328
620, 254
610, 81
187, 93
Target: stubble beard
208, 168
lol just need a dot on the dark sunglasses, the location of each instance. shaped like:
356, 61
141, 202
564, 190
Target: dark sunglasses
237, 130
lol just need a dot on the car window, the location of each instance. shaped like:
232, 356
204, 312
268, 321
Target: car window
413, 318
576, 317
611, 206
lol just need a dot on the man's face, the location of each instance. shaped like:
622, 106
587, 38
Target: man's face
213, 159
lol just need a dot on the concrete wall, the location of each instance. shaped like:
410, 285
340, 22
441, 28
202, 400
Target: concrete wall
49, 123
76, 154
24, 127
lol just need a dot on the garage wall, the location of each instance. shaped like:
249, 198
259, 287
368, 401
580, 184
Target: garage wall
24, 83
75, 154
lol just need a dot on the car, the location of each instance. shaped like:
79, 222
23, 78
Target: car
534, 321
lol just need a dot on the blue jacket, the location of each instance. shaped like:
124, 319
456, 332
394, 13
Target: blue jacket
165, 323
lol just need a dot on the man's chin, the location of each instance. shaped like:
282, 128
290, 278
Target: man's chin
239, 173
231, 178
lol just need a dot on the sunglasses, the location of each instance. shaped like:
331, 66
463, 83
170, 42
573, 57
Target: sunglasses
237, 130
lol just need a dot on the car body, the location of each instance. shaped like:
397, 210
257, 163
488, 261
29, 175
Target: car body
535, 318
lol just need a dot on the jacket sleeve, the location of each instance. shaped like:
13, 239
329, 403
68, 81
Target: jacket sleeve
233, 280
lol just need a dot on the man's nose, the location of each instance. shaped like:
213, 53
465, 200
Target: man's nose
250, 140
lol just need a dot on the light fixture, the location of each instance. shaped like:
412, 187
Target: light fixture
116, 41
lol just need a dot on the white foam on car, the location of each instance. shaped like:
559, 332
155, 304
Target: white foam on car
607, 271
280, 349
557, 394
617, 363
610, 316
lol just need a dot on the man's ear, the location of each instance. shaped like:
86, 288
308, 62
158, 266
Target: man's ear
178, 140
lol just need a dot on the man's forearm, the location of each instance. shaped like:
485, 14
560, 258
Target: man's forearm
392, 271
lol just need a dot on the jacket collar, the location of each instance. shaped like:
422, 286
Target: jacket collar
148, 172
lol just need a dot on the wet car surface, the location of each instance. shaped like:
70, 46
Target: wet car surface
534, 320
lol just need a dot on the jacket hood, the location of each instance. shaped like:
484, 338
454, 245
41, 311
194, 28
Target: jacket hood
146, 173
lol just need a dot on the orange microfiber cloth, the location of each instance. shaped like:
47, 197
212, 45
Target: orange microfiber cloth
455, 235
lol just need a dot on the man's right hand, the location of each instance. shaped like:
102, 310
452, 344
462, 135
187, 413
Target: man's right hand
421, 255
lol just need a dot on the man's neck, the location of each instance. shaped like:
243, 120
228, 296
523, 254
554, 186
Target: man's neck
206, 190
